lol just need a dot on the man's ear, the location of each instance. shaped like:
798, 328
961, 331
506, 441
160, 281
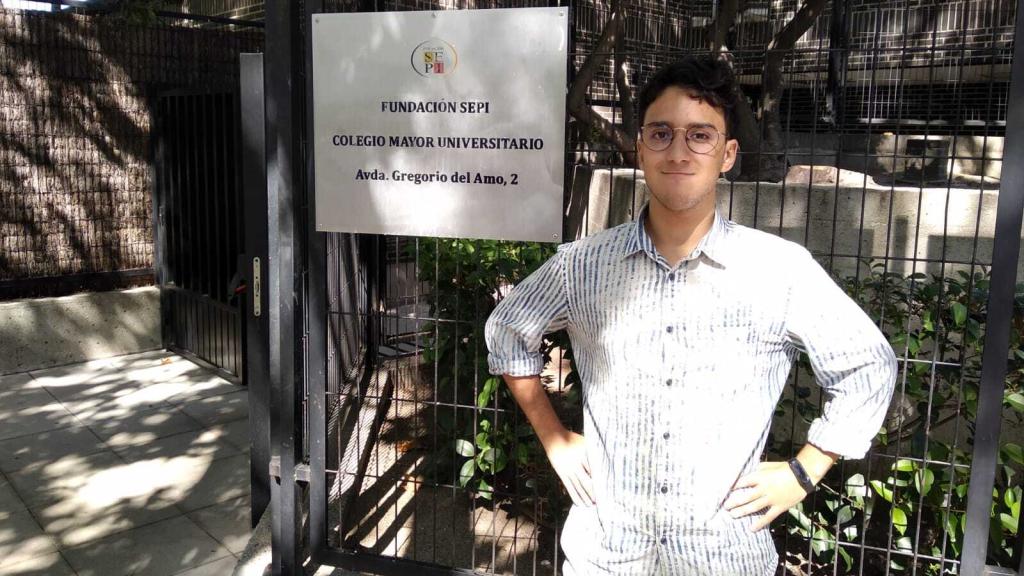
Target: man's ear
732, 148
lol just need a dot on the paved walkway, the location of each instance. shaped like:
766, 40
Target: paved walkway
131, 465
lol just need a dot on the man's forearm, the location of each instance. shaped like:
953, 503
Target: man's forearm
533, 400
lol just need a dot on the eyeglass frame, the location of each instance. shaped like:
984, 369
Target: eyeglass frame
686, 131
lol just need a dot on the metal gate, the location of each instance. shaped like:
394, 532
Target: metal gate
199, 228
376, 351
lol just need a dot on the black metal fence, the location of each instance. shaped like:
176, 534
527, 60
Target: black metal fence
198, 213
895, 162
75, 141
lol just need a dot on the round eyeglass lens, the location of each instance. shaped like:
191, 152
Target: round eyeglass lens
657, 138
699, 139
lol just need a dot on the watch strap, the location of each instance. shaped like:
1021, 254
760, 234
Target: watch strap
801, 475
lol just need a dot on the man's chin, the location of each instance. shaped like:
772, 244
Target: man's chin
686, 205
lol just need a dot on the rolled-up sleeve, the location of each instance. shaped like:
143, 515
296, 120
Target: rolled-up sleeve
515, 328
852, 360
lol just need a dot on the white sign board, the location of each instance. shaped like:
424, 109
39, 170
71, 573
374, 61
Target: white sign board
445, 123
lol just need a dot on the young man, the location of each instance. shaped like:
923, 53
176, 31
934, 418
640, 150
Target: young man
684, 328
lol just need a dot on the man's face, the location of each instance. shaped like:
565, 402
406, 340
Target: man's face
679, 179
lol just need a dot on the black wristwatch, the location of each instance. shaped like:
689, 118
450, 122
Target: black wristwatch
801, 475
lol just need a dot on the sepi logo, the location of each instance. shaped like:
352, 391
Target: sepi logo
434, 58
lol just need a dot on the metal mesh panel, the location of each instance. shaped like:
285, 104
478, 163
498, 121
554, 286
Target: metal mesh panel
890, 166
75, 191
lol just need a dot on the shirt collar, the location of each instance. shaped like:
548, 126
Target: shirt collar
712, 245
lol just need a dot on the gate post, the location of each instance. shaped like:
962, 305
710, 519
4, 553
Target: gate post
254, 268
316, 310
283, 92
1005, 252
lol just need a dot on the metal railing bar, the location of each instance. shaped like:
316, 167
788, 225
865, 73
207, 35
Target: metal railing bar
1005, 252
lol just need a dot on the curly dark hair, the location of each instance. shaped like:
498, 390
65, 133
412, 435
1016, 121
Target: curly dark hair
707, 78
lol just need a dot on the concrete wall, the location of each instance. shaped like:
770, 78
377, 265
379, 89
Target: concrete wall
855, 218
43, 332
881, 155
76, 91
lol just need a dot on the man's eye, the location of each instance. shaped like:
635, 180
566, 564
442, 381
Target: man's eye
700, 135
661, 134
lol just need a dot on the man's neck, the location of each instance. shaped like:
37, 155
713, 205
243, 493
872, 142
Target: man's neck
676, 234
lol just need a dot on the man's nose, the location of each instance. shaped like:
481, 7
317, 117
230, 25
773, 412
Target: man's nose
678, 150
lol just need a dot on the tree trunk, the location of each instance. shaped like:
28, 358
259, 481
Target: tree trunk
747, 132
622, 140
772, 85
622, 86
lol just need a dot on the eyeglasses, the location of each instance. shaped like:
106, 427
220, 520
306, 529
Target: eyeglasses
699, 139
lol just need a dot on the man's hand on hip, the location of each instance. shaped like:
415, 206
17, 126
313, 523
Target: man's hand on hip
772, 487
568, 455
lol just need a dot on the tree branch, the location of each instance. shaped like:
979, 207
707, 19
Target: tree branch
795, 28
718, 30
772, 84
629, 120
747, 132
577, 93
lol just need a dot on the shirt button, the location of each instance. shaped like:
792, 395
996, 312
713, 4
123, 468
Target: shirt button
668, 382
665, 435
671, 277
669, 329
664, 541
664, 489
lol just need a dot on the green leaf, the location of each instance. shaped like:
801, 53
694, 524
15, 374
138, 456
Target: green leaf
951, 526
1015, 400
899, 519
905, 544
961, 490
485, 490
883, 490
897, 481
483, 441
847, 559
959, 313
500, 460
923, 481
464, 448
466, 473
485, 460
914, 346
905, 466
844, 515
484, 398
802, 519
1009, 523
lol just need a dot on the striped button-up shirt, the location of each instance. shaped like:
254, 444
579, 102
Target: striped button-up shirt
682, 369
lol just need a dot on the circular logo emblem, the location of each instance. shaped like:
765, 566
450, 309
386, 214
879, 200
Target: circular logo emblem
434, 58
